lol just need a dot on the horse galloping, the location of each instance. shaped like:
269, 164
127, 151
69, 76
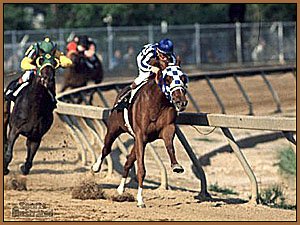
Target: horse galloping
32, 114
82, 71
152, 116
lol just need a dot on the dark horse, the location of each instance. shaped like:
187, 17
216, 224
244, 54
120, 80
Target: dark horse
152, 116
82, 71
32, 115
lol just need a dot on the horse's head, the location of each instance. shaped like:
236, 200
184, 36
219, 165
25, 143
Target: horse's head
173, 83
46, 66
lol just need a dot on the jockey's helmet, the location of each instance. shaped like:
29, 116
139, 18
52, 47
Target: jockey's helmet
165, 46
47, 45
83, 41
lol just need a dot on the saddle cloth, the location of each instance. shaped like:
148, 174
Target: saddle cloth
125, 115
19, 89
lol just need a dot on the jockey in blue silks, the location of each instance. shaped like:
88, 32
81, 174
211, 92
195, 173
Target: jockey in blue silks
163, 50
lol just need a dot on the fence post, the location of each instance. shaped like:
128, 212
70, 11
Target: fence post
280, 42
61, 38
14, 50
197, 43
198, 168
110, 45
254, 186
238, 41
150, 34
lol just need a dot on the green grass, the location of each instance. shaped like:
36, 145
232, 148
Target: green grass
225, 191
274, 198
287, 161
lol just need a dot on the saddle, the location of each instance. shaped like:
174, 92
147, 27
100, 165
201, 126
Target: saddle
128, 97
12, 95
126, 100
91, 63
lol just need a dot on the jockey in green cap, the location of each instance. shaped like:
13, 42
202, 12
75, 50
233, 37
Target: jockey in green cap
29, 64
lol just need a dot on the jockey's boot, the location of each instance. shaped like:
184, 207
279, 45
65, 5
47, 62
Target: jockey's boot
12, 87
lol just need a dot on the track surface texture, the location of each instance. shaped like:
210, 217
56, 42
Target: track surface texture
57, 167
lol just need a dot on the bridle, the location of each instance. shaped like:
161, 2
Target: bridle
46, 60
177, 84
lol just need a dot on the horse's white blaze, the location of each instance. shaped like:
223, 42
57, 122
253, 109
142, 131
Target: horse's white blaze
97, 164
121, 187
139, 197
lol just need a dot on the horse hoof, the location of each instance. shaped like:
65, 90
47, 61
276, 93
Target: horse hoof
142, 206
24, 170
95, 169
6, 171
177, 168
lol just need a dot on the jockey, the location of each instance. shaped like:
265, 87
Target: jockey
72, 46
87, 46
163, 50
28, 64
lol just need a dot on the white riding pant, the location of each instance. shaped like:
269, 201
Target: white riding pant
141, 77
26, 75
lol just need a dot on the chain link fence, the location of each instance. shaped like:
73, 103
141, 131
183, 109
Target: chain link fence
198, 44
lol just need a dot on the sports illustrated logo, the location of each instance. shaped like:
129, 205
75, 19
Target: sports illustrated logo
31, 210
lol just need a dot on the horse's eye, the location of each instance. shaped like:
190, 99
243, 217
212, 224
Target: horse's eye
54, 63
168, 80
41, 60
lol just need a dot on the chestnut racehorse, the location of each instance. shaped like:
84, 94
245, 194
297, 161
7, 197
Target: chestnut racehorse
152, 116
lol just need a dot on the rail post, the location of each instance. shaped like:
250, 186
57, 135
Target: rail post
200, 172
280, 43
246, 97
243, 161
198, 44
238, 41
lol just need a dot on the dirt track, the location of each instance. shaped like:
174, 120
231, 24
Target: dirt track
57, 168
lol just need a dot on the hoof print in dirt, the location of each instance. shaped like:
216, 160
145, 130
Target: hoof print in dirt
16, 183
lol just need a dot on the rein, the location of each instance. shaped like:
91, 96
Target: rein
200, 132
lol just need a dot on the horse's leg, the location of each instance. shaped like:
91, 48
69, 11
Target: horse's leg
129, 163
167, 134
8, 152
113, 131
92, 97
141, 172
32, 147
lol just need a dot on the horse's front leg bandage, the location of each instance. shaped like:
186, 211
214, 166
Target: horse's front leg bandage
121, 187
140, 202
97, 165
